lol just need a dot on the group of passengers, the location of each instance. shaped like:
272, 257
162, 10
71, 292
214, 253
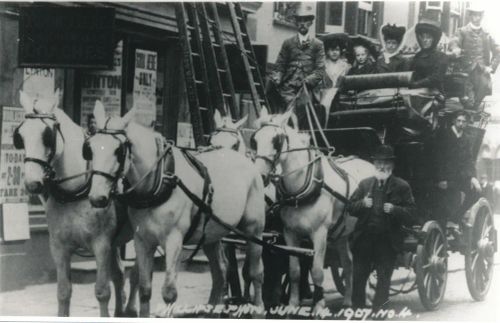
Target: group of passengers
303, 61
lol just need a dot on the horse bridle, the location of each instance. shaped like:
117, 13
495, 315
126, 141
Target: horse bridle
122, 152
56, 128
234, 132
278, 146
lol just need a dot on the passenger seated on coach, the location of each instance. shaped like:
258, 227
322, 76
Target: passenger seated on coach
429, 65
363, 61
391, 59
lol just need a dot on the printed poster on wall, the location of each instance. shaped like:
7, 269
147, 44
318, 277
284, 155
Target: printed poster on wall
12, 188
39, 82
104, 86
185, 137
145, 86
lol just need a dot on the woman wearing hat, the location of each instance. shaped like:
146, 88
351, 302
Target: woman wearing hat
382, 204
429, 65
364, 54
336, 66
391, 60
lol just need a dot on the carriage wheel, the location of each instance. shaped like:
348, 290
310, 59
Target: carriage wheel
338, 278
479, 254
431, 266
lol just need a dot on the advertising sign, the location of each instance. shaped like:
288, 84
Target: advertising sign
104, 86
145, 86
12, 188
75, 37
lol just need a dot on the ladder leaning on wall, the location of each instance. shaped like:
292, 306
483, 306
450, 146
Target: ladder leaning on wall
206, 66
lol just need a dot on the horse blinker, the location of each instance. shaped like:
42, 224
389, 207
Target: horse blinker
18, 140
86, 151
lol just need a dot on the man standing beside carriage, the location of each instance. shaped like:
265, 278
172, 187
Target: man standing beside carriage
382, 204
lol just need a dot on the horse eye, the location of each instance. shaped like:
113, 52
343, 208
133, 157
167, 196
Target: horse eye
253, 144
47, 137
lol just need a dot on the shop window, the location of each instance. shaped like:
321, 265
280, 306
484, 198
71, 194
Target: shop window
283, 12
334, 13
434, 5
364, 20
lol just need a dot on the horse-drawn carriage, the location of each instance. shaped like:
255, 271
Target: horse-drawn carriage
375, 109
359, 121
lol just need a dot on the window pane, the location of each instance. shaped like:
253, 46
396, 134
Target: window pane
334, 13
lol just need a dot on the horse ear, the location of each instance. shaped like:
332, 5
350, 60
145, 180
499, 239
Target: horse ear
99, 114
129, 116
57, 96
241, 122
26, 101
264, 112
217, 119
286, 116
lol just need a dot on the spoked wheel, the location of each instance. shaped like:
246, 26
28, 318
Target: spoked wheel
338, 278
431, 266
479, 255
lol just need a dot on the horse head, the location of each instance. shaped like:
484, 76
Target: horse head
109, 150
227, 134
40, 136
272, 139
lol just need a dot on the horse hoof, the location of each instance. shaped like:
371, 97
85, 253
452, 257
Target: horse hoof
130, 313
318, 309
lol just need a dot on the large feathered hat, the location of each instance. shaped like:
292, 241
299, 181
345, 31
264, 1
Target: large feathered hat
335, 40
393, 32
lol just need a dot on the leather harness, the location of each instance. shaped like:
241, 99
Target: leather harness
52, 183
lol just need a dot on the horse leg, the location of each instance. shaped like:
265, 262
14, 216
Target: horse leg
246, 280
118, 278
144, 259
62, 259
293, 240
218, 269
319, 242
173, 246
102, 252
346, 263
130, 309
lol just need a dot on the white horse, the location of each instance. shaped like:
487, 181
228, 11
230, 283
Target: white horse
237, 199
227, 135
53, 142
277, 144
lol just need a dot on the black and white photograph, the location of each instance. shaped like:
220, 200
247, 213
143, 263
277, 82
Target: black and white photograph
314, 160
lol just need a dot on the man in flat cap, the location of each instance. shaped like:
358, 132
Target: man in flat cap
480, 56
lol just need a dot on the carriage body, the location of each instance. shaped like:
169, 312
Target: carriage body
373, 109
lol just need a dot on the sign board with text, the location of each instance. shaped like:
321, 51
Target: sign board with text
71, 37
104, 86
145, 86
12, 188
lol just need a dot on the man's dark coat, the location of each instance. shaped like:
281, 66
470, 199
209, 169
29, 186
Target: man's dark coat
397, 192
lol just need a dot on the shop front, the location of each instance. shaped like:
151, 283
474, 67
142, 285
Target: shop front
144, 68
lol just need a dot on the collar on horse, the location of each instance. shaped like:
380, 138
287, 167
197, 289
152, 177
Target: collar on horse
50, 180
310, 190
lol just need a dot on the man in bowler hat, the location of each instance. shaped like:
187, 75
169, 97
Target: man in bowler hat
383, 204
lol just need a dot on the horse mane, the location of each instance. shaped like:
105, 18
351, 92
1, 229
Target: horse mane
67, 124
